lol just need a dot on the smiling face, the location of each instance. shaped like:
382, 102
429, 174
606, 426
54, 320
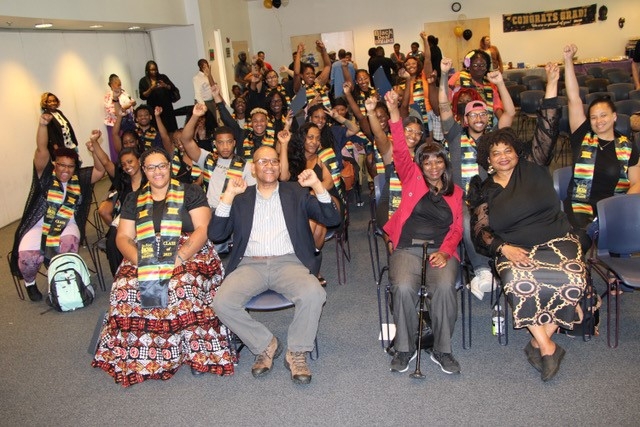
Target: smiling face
266, 165
64, 168
271, 79
412, 135
129, 140
143, 117
318, 118
503, 157
276, 104
433, 167
477, 121
602, 119
411, 65
52, 102
363, 81
478, 68
157, 169
240, 106
130, 164
383, 118
309, 75
259, 123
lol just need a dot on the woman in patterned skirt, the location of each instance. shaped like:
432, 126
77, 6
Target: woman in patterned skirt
516, 219
160, 315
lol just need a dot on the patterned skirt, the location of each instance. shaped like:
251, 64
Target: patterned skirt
548, 290
138, 344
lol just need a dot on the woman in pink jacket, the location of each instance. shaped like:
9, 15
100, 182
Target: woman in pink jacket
431, 209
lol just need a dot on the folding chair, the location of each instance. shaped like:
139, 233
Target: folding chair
271, 300
618, 245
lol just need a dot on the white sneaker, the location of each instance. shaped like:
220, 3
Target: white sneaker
475, 290
485, 280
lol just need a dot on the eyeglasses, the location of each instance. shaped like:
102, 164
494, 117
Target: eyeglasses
160, 166
413, 131
479, 66
264, 162
482, 115
65, 166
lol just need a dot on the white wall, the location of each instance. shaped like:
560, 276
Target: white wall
271, 28
74, 66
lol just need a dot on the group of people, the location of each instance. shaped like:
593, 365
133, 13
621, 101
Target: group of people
268, 183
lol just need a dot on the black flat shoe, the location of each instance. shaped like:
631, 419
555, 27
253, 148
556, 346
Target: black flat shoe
323, 281
533, 356
551, 364
34, 293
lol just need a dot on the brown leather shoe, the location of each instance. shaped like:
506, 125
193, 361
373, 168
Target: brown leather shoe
296, 362
264, 360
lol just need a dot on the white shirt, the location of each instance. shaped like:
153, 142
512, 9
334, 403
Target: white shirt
216, 182
202, 88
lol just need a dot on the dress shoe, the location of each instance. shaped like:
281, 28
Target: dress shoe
533, 356
296, 362
264, 361
34, 293
551, 363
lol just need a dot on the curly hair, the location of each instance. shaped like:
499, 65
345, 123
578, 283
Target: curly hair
44, 97
475, 96
505, 136
295, 151
433, 149
269, 98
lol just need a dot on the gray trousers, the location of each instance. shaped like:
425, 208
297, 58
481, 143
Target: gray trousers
284, 274
405, 275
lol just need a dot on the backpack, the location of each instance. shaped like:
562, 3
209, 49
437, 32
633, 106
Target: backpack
69, 283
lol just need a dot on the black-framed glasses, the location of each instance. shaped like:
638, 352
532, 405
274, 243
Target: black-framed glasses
482, 114
479, 66
160, 166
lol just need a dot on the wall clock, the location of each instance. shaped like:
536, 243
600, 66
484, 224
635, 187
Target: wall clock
456, 6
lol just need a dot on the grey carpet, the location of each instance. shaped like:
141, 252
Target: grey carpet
46, 379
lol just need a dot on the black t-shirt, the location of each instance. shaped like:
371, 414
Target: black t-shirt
636, 53
607, 167
194, 197
430, 220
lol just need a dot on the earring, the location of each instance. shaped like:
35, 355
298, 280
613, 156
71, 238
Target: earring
491, 170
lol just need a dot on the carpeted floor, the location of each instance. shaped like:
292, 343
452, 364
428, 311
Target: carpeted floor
46, 379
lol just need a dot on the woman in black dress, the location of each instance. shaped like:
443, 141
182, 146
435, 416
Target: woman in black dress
159, 91
516, 219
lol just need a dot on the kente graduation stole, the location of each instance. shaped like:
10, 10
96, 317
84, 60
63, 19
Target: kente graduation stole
147, 137
248, 146
420, 96
316, 89
60, 209
377, 157
486, 91
328, 157
362, 96
583, 171
157, 253
235, 170
395, 190
469, 160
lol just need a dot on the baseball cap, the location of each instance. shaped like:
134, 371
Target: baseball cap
475, 106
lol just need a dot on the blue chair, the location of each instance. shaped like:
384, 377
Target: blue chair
634, 94
561, 179
620, 90
595, 95
618, 240
623, 125
627, 106
597, 85
271, 300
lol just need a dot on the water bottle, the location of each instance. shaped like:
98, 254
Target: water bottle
497, 321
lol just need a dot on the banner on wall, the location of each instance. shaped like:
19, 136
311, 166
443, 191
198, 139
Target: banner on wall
550, 19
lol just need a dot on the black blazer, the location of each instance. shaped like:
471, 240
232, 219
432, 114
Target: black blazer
298, 206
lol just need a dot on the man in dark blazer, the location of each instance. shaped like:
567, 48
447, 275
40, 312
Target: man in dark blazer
273, 249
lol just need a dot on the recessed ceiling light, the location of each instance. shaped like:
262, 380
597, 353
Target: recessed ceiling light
44, 25
95, 26
135, 27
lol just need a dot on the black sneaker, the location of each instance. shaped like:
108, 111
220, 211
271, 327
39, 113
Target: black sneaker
447, 362
34, 293
400, 361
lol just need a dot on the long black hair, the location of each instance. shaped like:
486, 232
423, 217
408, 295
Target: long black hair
326, 136
296, 152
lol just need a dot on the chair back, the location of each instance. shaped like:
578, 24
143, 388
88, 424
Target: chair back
530, 101
620, 90
536, 84
595, 95
617, 77
582, 79
608, 71
619, 228
378, 185
634, 94
595, 72
623, 124
628, 106
516, 76
563, 123
561, 179
515, 91
597, 85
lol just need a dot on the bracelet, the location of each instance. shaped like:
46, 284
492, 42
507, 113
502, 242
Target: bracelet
499, 249
180, 258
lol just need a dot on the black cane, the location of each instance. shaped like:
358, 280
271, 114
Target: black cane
423, 295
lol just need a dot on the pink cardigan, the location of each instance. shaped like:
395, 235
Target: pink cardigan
414, 188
